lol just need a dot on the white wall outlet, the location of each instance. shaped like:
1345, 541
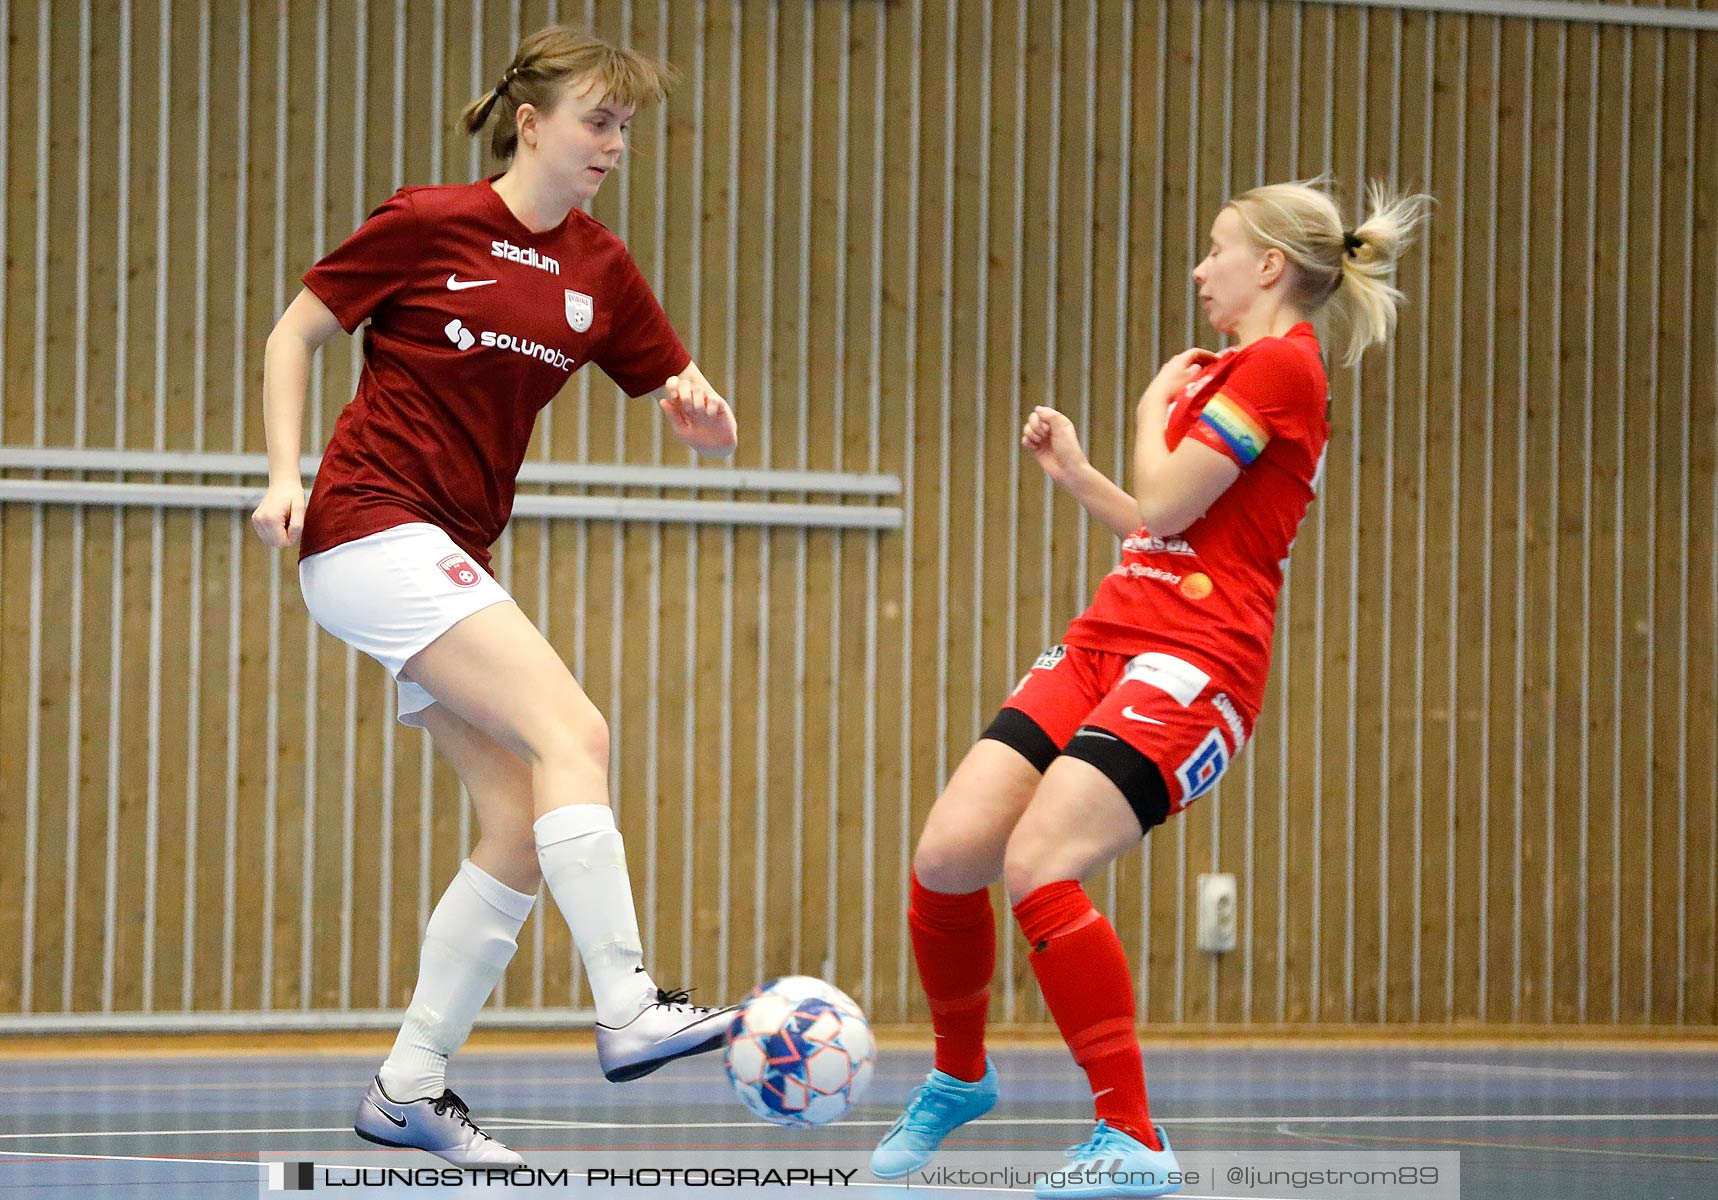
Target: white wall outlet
1219, 913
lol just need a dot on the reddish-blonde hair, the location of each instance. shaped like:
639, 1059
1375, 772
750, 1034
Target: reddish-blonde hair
546, 63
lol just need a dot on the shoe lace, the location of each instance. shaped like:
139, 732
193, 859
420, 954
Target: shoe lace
450, 1101
1098, 1141
926, 1108
679, 1000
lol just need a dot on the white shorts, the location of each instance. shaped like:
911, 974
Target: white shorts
393, 593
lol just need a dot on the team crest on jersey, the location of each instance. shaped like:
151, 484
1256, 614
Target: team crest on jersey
579, 311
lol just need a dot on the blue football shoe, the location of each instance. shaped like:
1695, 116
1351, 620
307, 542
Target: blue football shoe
1114, 1163
936, 1109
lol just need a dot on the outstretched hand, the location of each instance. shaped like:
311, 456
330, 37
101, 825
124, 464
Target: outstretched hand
698, 416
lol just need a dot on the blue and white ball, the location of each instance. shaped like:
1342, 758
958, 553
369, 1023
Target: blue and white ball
799, 1051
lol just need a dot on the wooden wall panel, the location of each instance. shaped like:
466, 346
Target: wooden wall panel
1481, 789
1701, 503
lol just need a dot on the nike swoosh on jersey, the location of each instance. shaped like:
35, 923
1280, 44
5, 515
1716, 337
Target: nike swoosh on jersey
456, 284
1133, 716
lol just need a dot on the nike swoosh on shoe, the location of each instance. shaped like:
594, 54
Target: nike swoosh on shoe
401, 1124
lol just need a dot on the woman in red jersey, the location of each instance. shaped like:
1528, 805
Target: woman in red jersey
1156, 686
482, 299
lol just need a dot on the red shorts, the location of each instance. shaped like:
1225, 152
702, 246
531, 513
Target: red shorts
1166, 708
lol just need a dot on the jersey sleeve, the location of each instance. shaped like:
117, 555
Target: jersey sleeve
1266, 395
365, 271
642, 349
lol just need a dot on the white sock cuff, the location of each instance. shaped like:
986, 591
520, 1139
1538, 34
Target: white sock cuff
572, 821
514, 905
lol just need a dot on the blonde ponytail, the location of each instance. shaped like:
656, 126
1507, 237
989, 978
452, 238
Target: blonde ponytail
1365, 301
1343, 276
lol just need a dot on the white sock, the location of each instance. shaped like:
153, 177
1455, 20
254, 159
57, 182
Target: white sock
584, 864
467, 945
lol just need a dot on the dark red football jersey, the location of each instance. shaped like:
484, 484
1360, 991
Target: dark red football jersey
1210, 593
475, 324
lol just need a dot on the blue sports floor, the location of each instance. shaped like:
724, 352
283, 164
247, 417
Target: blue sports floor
1527, 1123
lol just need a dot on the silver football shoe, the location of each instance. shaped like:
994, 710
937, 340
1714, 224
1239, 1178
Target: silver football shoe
665, 1027
441, 1125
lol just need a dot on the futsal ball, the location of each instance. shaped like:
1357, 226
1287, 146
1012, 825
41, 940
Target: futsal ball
799, 1051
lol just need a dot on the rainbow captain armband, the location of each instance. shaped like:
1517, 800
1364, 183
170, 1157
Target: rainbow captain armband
1242, 432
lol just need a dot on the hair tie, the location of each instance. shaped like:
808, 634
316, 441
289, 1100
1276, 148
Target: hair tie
507, 78
1351, 243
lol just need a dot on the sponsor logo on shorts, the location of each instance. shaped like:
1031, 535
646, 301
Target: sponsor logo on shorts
1176, 676
1048, 660
458, 569
1231, 718
1131, 715
1199, 773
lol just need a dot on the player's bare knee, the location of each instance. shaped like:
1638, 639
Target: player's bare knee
934, 866
571, 739
1026, 866
951, 866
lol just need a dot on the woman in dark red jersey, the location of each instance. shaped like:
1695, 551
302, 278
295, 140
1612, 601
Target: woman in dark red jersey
482, 299
1156, 686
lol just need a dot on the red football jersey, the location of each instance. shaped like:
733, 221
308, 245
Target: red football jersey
475, 324
1210, 594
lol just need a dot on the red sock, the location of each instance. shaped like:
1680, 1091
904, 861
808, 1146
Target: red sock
954, 941
1083, 972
